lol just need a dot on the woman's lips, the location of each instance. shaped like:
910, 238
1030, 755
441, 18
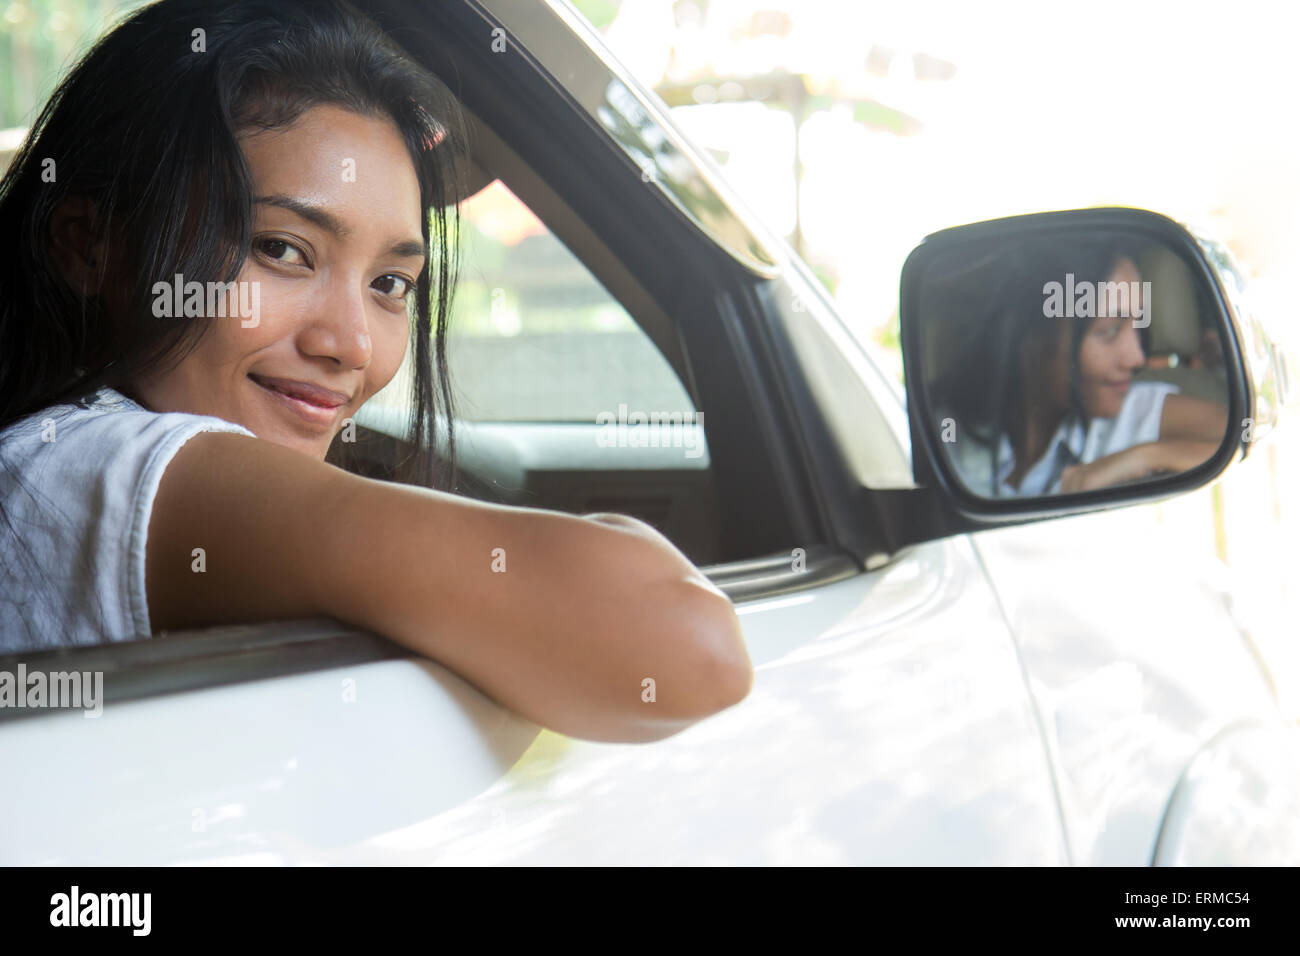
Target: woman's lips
311, 403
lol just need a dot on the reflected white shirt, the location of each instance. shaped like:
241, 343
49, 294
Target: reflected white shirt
1137, 423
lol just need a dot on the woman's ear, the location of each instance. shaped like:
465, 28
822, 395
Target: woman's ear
77, 245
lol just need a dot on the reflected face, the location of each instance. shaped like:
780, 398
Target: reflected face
336, 252
1111, 350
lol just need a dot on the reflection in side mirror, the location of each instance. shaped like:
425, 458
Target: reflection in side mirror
1065, 353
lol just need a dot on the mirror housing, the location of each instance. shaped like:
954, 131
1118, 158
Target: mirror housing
951, 285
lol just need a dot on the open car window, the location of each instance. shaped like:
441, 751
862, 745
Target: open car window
534, 336
562, 400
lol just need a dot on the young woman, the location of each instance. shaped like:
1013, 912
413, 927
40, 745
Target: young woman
1068, 415
161, 471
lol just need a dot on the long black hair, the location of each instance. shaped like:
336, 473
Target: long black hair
1089, 260
997, 321
145, 126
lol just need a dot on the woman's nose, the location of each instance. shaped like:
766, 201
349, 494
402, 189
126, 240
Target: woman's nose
341, 331
1134, 357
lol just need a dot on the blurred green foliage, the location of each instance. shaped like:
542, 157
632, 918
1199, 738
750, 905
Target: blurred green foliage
599, 13
39, 41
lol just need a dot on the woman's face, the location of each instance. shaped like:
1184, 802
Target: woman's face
336, 252
1111, 350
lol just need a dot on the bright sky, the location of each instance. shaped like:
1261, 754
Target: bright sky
1184, 108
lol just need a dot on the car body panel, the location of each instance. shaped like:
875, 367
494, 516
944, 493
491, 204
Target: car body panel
888, 724
1134, 660
249, 769
1238, 801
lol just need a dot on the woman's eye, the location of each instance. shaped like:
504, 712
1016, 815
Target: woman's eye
1108, 330
395, 286
282, 251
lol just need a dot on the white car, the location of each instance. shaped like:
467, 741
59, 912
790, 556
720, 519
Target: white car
939, 679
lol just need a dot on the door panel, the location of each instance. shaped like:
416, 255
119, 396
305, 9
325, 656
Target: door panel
888, 724
264, 771
1135, 662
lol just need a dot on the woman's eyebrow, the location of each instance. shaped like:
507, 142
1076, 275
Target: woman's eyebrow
312, 213
407, 249
404, 248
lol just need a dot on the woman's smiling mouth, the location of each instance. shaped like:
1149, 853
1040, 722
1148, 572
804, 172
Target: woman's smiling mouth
312, 404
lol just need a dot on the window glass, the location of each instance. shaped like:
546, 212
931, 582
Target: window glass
534, 336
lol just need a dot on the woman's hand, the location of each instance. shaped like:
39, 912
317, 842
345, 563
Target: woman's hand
1127, 465
1133, 464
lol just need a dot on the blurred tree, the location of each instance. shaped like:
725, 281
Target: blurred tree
599, 13
39, 41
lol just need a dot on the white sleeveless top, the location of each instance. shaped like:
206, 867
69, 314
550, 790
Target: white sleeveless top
77, 484
1137, 423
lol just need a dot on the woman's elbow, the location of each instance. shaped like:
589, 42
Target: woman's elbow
715, 669
716, 684
733, 670
680, 641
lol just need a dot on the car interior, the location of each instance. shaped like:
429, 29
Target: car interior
1182, 346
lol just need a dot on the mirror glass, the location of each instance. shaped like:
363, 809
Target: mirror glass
1065, 362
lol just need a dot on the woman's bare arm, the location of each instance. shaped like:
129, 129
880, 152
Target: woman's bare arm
1140, 461
584, 610
1193, 419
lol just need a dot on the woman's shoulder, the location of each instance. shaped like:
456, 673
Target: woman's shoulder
104, 414
1137, 423
77, 483
1142, 406
1148, 392
102, 447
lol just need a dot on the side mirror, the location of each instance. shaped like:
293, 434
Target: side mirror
1067, 361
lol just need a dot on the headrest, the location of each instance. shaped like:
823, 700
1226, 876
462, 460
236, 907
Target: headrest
1175, 313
